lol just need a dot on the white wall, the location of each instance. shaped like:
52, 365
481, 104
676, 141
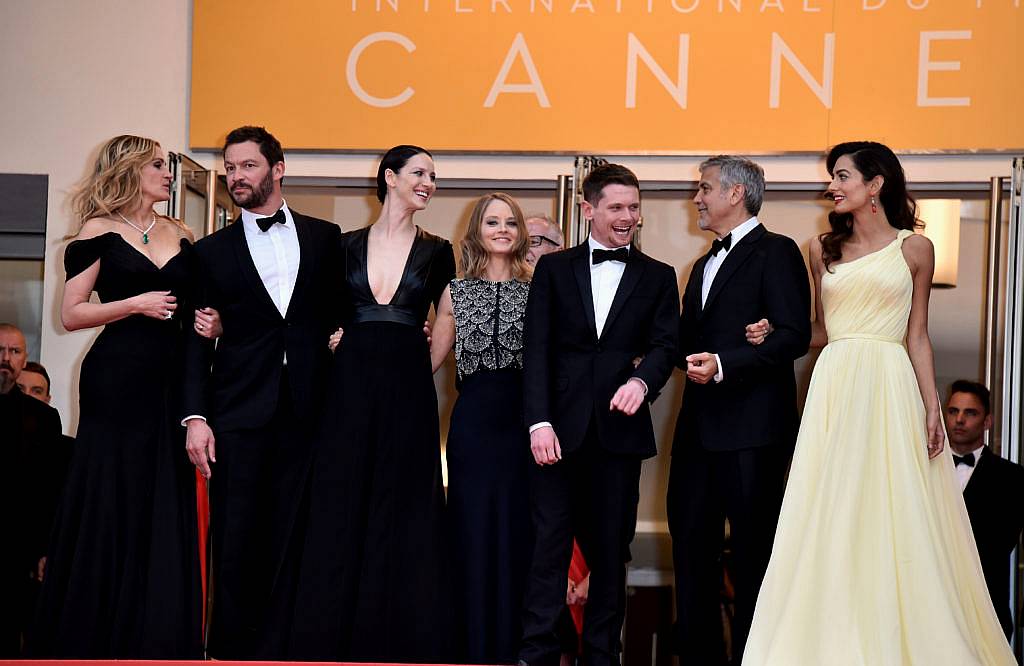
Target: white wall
77, 73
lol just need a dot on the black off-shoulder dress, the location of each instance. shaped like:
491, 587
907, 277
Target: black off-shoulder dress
122, 573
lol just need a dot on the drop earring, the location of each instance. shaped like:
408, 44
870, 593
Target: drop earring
874, 208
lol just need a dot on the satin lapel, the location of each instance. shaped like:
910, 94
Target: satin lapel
971, 486
630, 279
736, 258
248, 268
307, 259
695, 296
581, 269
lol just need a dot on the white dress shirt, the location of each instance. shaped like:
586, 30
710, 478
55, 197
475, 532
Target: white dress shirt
276, 255
964, 472
711, 270
604, 282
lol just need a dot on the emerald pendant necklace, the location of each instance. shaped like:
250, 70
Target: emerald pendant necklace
145, 233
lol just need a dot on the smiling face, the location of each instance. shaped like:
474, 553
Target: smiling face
848, 189
155, 177
614, 217
717, 206
414, 183
499, 229
252, 181
966, 421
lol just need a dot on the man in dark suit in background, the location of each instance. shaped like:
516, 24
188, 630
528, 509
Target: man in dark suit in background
592, 310
274, 277
738, 420
37, 456
993, 489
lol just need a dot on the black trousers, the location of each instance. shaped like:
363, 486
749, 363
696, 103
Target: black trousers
255, 491
591, 495
705, 488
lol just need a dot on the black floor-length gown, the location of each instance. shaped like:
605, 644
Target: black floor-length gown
122, 574
372, 577
488, 458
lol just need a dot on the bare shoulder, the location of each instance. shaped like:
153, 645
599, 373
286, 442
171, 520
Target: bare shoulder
96, 226
180, 229
918, 249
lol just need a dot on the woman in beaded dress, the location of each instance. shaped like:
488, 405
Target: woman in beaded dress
122, 570
488, 447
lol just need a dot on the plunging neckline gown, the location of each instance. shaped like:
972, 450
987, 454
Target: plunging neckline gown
874, 562
372, 584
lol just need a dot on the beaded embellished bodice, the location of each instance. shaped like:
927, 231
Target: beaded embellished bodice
488, 324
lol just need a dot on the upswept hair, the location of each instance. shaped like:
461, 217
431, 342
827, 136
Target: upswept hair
474, 256
736, 170
871, 159
603, 176
395, 159
115, 181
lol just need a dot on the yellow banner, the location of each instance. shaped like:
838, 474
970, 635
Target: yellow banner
611, 76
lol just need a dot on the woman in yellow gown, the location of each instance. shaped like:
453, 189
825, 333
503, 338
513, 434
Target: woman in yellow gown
874, 562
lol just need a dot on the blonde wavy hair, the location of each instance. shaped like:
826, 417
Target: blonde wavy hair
474, 256
115, 181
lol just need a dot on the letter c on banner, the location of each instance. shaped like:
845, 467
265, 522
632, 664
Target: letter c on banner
353, 61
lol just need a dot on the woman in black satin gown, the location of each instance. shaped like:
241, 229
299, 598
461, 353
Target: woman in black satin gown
490, 535
371, 580
122, 571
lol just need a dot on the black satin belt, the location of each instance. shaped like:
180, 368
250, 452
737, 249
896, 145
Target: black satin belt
387, 313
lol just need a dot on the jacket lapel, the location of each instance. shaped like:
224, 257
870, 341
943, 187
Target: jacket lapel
979, 463
248, 268
581, 269
306, 259
736, 258
693, 296
630, 278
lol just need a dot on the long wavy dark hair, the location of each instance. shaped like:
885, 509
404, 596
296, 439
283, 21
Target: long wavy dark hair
871, 159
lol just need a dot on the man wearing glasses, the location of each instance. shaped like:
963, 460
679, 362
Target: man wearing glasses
545, 237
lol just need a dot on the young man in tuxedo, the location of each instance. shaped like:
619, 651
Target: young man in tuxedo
993, 489
252, 401
592, 310
738, 421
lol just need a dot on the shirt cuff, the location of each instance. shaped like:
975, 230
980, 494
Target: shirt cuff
720, 375
642, 383
185, 420
538, 426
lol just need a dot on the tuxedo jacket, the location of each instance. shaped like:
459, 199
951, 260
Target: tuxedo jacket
34, 447
570, 374
995, 502
763, 276
235, 383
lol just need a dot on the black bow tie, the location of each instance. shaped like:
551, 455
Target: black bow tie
266, 222
963, 460
717, 245
621, 254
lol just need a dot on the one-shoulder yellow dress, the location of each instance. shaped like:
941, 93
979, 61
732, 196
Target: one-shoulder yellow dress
874, 562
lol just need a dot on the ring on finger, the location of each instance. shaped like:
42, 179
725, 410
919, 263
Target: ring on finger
167, 314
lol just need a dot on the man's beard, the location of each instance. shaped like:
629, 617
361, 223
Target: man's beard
254, 198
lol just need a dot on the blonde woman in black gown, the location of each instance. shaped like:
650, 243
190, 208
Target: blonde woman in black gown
488, 448
122, 573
